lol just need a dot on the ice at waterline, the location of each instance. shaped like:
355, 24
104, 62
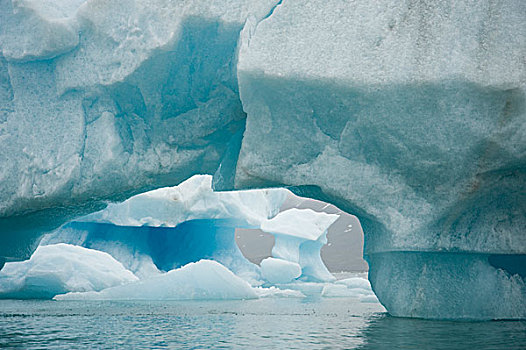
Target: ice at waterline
178, 243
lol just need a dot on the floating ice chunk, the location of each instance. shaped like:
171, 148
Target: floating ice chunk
273, 292
205, 279
354, 287
61, 268
279, 270
338, 290
356, 282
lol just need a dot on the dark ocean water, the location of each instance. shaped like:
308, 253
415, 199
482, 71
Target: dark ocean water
339, 323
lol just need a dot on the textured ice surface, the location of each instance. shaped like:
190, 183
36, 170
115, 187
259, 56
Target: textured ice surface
146, 250
447, 285
193, 199
410, 115
171, 227
354, 287
61, 268
372, 118
299, 235
100, 100
205, 279
273, 292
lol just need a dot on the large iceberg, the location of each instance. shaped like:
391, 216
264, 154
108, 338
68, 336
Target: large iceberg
410, 115
101, 100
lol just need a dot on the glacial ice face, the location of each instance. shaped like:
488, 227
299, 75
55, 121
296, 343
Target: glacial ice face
384, 108
61, 268
100, 100
407, 115
448, 285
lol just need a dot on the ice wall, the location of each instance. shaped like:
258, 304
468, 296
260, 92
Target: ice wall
100, 100
410, 115
448, 285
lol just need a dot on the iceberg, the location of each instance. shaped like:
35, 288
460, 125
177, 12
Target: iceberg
102, 100
412, 118
61, 268
205, 279
409, 115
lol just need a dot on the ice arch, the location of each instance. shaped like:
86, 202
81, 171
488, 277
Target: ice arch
168, 228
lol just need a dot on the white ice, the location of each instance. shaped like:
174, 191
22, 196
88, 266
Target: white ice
205, 279
192, 200
299, 235
61, 268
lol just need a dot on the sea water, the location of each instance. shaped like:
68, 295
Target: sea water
271, 323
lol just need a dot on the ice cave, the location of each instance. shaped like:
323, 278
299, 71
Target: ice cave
410, 115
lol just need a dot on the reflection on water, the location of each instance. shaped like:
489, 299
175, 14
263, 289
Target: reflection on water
265, 323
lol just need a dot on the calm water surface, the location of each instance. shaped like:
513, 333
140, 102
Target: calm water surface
338, 323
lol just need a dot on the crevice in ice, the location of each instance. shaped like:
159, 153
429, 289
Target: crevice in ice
271, 12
